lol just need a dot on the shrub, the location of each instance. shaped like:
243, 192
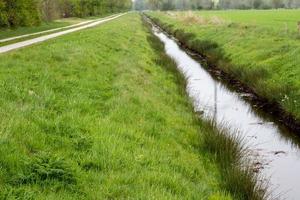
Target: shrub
46, 168
19, 13
14, 13
3, 14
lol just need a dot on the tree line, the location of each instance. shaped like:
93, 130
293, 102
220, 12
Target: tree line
15, 13
214, 4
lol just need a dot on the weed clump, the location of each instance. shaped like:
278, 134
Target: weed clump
46, 168
191, 18
183, 36
237, 174
16, 193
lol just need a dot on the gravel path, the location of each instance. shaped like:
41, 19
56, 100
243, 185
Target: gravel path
18, 45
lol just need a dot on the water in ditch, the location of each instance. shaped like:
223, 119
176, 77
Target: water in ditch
275, 149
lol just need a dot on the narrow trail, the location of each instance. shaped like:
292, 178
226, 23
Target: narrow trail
46, 31
29, 42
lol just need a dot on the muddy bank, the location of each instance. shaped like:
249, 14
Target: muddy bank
260, 103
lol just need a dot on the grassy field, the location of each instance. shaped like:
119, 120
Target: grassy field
85, 117
276, 20
260, 48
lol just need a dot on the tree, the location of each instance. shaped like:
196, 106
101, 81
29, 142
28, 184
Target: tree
224, 4
257, 4
3, 14
22, 12
31, 12
140, 5
49, 9
154, 4
168, 5
277, 4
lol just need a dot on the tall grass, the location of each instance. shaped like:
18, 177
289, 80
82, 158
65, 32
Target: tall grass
236, 170
109, 125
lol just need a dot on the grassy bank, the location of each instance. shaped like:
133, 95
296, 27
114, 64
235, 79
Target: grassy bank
227, 150
84, 116
259, 48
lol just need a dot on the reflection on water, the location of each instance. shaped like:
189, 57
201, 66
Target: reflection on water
278, 152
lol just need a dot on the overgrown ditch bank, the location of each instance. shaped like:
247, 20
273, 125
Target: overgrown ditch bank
270, 100
237, 175
273, 148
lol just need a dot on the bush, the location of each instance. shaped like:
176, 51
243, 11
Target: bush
3, 14
19, 13
14, 13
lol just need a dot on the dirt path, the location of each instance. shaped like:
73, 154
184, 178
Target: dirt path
86, 25
46, 31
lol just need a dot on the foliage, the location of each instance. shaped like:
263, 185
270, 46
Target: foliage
19, 13
14, 13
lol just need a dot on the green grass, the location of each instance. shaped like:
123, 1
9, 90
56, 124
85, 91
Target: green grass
232, 155
27, 30
7, 33
12, 32
260, 48
97, 115
60, 23
275, 20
